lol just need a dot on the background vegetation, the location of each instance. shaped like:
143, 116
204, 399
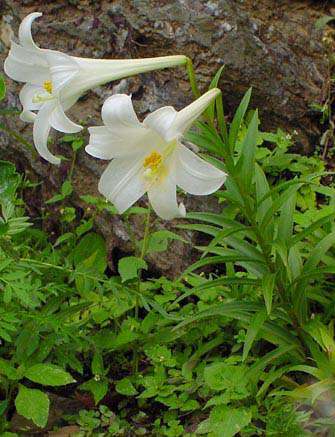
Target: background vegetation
241, 343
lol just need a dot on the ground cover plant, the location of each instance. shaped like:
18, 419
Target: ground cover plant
241, 343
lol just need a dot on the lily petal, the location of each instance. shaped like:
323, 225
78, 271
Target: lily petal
123, 134
41, 132
24, 65
122, 182
187, 116
60, 121
25, 37
28, 116
118, 111
196, 176
163, 198
63, 68
27, 94
104, 144
161, 120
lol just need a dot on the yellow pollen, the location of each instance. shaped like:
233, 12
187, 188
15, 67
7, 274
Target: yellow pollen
47, 85
153, 161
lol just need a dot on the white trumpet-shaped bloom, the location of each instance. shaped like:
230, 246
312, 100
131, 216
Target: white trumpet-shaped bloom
54, 81
149, 156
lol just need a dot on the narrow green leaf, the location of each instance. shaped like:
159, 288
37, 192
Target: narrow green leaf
2, 87
278, 203
312, 228
245, 166
268, 283
255, 325
319, 251
278, 373
238, 118
214, 84
215, 260
262, 189
256, 369
285, 222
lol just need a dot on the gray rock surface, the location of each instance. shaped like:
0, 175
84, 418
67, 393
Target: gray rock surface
271, 45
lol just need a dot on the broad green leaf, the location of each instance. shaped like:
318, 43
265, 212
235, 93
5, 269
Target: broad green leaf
323, 21
225, 421
66, 188
90, 244
33, 405
159, 240
3, 408
98, 388
7, 369
9, 181
48, 374
129, 266
221, 376
2, 87
97, 364
238, 118
255, 325
125, 387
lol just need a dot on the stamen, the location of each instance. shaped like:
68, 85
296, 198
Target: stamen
153, 161
155, 169
47, 85
39, 98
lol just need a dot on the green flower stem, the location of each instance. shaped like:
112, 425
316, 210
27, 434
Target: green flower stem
137, 303
146, 234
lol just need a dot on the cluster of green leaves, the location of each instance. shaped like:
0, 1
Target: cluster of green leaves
229, 347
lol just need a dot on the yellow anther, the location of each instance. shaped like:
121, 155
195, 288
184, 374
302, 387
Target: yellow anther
47, 85
153, 161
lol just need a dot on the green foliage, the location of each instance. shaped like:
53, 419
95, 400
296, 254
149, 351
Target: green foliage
2, 88
33, 404
230, 347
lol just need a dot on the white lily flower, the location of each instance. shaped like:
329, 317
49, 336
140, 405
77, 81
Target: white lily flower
55, 81
149, 156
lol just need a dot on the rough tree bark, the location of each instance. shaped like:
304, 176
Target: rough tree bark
271, 45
